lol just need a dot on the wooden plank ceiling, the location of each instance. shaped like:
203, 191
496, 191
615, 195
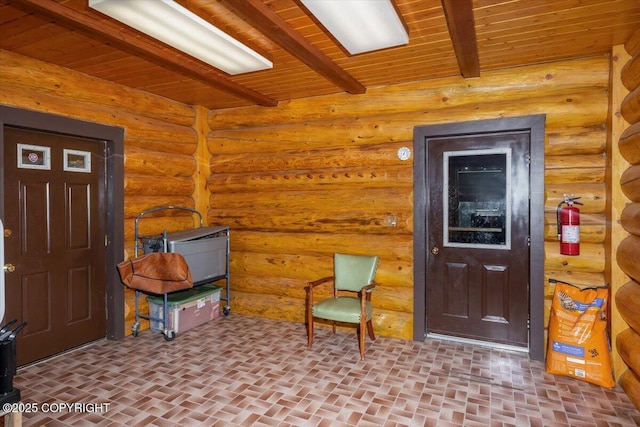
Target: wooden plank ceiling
447, 38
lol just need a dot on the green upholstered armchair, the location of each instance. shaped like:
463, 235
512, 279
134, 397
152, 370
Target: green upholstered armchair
353, 283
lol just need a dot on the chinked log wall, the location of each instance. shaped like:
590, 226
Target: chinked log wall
160, 140
627, 296
320, 175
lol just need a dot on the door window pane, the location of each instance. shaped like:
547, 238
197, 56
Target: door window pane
477, 198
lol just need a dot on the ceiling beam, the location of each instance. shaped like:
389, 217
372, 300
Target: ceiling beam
259, 16
154, 52
462, 29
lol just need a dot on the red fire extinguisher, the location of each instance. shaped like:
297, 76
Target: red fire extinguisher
569, 225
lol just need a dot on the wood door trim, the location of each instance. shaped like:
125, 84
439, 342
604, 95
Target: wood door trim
533, 124
114, 137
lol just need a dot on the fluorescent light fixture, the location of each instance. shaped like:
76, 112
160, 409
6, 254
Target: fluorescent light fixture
176, 26
360, 25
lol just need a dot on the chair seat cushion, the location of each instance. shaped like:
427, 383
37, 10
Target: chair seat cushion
341, 309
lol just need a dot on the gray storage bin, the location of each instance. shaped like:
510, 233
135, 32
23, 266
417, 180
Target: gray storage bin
204, 249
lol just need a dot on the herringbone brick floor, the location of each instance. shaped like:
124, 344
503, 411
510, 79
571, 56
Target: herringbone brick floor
246, 371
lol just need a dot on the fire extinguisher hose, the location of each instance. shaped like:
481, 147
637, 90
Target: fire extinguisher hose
558, 220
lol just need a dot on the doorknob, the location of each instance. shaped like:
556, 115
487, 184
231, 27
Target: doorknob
435, 250
9, 268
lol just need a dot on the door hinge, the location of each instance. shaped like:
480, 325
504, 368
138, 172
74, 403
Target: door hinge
527, 158
529, 241
106, 240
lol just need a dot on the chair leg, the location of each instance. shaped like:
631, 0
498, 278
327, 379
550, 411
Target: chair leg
370, 330
310, 333
310, 327
361, 338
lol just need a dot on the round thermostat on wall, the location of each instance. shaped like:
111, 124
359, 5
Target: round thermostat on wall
404, 153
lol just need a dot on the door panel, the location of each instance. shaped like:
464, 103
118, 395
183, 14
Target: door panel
79, 294
495, 283
34, 301
455, 294
32, 205
78, 221
54, 209
477, 237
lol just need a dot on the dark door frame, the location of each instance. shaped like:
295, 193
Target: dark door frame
114, 138
534, 125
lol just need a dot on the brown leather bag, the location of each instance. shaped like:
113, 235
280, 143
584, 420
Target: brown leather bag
157, 273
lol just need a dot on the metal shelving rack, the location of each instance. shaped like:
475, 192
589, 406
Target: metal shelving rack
159, 243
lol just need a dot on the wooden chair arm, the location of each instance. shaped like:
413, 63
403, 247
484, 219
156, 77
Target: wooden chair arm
318, 282
369, 287
366, 291
313, 284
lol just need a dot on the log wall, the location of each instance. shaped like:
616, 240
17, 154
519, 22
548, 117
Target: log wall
627, 297
320, 175
160, 140
315, 176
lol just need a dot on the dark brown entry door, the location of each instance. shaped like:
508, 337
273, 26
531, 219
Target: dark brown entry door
478, 237
54, 236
